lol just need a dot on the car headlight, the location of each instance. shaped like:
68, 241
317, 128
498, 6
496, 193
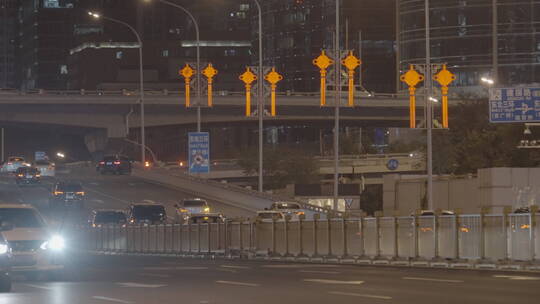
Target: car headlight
56, 243
4, 249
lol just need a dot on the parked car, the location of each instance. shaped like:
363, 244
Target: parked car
147, 212
27, 176
45, 167
13, 163
524, 210
5, 259
34, 248
115, 164
66, 193
101, 217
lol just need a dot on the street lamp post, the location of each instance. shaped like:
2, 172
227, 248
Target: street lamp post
198, 58
429, 118
337, 106
141, 77
260, 107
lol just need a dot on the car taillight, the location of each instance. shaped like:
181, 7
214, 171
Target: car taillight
58, 192
102, 163
20, 175
117, 163
10, 163
80, 193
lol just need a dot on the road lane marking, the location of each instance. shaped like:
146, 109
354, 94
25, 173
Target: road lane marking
111, 299
238, 283
227, 270
155, 275
235, 267
324, 281
299, 266
360, 295
97, 201
521, 278
319, 271
106, 195
432, 279
177, 268
140, 285
39, 286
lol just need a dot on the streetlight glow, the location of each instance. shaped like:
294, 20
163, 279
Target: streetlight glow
489, 81
60, 154
433, 99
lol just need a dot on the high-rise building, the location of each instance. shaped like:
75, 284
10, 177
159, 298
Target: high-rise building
295, 31
168, 36
476, 38
8, 42
45, 36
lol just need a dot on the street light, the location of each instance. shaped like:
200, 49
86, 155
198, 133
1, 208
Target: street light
198, 56
141, 86
488, 81
60, 154
260, 107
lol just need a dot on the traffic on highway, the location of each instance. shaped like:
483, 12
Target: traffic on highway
41, 258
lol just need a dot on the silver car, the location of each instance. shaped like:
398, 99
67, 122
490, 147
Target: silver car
13, 163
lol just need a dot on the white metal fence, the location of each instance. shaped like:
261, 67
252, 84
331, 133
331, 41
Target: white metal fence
513, 237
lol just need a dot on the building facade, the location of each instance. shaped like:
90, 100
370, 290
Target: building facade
476, 38
295, 31
8, 42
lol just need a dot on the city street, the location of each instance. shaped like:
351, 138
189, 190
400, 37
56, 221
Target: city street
102, 192
148, 280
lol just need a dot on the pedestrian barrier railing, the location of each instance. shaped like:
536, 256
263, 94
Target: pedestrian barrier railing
460, 239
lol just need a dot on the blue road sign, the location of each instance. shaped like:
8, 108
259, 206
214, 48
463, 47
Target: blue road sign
514, 104
392, 164
199, 152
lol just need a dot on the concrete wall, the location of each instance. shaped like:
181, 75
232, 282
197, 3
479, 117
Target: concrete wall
494, 188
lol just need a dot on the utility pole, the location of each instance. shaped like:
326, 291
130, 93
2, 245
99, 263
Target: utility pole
429, 118
337, 52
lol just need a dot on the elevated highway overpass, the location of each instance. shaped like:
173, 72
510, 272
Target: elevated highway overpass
104, 115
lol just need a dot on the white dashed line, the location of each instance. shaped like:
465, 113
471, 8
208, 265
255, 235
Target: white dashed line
359, 295
319, 271
176, 268
433, 280
238, 283
39, 286
235, 267
520, 278
299, 266
155, 275
111, 299
140, 285
323, 281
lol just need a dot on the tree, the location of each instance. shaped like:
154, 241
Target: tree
472, 142
281, 166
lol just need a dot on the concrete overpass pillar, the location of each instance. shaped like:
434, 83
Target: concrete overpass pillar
102, 141
96, 143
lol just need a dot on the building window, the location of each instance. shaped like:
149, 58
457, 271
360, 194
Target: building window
119, 55
63, 69
230, 52
165, 53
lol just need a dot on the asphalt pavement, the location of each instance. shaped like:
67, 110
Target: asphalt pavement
102, 192
159, 280
90, 279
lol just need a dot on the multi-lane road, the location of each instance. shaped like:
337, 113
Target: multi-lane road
158, 280
148, 280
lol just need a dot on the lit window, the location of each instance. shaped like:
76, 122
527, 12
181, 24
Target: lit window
119, 55
165, 53
63, 69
